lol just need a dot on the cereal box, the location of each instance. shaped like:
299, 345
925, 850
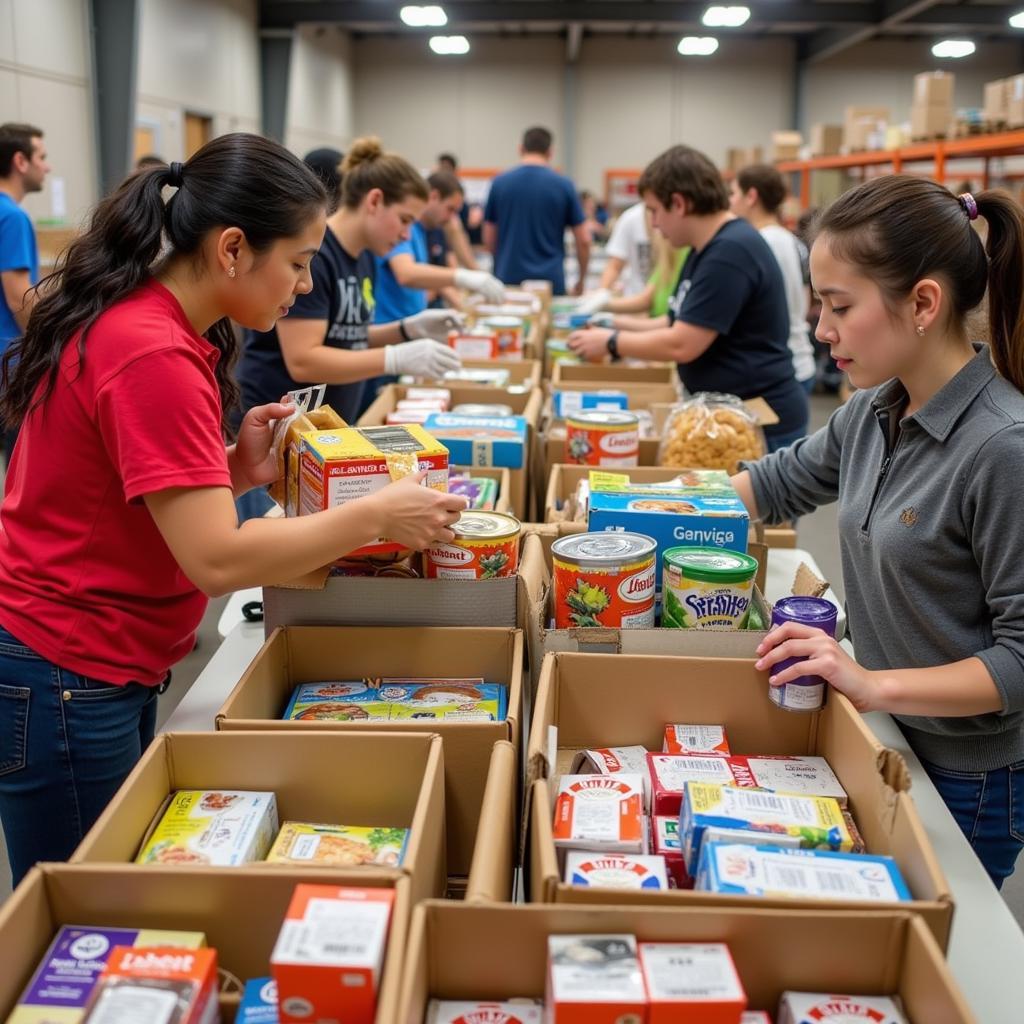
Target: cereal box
603, 813
393, 700
665, 843
695, 739
691, 983
259, 1002
67, 974
815, 874
565, 403
213, 827
712, 813
615, 871
447, 1012
300, 842
481, 440
823, 1008
612, 761
594, 979
329, 953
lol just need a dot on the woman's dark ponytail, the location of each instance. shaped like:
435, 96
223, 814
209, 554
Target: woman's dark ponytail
239, 180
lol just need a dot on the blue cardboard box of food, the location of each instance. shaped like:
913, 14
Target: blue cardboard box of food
480, 440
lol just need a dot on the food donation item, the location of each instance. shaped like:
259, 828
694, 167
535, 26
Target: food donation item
594, 979
259, 1002
450, 1012
707, 588
823, 1008
485, 547
695, 739
481, 440
480, 491
806, 693
483, 409
602, 813
711, 431
691, 983
616, 871
613, 760
475, 343
488, 378
301, 842
602, 438
665, 843
568, 403
393, 700
509, 331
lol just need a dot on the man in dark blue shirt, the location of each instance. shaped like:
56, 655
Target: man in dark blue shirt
528, 210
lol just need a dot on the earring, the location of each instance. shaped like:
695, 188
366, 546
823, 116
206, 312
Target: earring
231, 273
920, 331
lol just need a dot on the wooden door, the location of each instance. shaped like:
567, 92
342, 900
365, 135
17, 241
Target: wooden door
198, 132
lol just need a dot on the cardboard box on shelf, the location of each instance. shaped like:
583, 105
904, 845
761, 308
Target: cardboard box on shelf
929, 121
403, 776
860, 125
299, 654
996, 107
934, 88
786, 145
1015, 101
826, 139
582, 698
240, 912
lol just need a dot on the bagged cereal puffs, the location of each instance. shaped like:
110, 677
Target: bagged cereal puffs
711, 431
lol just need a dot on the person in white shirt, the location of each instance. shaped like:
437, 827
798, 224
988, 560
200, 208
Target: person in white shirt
757, 194
629, 258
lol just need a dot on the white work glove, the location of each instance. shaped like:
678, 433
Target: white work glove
423, 357
594, 301
433, 323
480, 281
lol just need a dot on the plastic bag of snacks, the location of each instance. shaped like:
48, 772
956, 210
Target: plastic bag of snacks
711, 431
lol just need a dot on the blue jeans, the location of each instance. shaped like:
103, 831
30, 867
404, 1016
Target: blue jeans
989, 808
67, 742
254, 504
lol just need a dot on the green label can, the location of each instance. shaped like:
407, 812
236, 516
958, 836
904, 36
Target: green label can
707, 588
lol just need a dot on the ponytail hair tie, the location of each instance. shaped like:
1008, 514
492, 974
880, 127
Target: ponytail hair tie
175, 175
970, 205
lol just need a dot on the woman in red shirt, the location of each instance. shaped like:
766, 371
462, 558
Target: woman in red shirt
118, 520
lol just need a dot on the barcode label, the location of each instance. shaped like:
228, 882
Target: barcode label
342, 949
767, 802
814, 880
391, 439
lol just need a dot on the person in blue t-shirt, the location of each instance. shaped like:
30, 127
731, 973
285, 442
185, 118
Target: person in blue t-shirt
728, 323
528, 210
23, 168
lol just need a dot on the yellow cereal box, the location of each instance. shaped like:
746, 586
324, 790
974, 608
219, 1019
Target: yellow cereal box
301, 842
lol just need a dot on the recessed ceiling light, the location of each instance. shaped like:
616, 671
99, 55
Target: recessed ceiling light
419, 16
954, 48
449, 45
726, 17
1017, 20
697, 46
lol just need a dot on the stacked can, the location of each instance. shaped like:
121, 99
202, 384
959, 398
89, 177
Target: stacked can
805, 693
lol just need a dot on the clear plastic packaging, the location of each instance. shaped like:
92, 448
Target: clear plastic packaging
711, 431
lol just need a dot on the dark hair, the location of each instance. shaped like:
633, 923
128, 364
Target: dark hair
537, 140
445, 184
898, 230
367, 167
16, 138
448, 158
240, 180
689, 173
149, 160
767, 182
326, 165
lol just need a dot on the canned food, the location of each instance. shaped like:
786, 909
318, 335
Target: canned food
509, 331
706, 588
604, 579
475, 343
602, 437
486, 546
482, 409
806, 693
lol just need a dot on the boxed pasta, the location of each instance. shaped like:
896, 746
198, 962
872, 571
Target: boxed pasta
594, 979
453, 1012
695, 739
824, 1008
303, 843
665, 843
392, 700
213, 827
481, 440
691, 983
616, 871
603, 813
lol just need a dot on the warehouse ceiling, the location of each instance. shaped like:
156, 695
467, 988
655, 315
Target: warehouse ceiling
822, 27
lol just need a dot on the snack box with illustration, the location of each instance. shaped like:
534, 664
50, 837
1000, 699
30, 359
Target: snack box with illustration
213, 827
828, 1008
68, 973
774, 871
616, 871
711, 813
392, 700
259, 1002
303, 843
567, 403
455, 1012
481, 440
480, 491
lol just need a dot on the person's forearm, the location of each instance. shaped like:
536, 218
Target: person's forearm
386, 334
611, 272
458, 241
325, 364
24, 310
629, 304
744, 487
957, 690
654, 345
452, 297
425, 276
643, 324
583, 258
239, 481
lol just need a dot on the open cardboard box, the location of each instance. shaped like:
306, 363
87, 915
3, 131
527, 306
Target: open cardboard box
240, 913
357, 778
298, 654
492, 871
594, 701
523, 373
501, 476
611, 375
774, 951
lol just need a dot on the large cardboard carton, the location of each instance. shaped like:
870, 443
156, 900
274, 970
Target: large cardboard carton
997, 102
584, 698
1015, 101
615, 374
298, 654
786, 145
826, 139
240, 913
381, 778
492, 872
860, 126
934, 88
928, 120
774, 951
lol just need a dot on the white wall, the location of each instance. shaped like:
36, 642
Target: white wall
45, 79
320, 90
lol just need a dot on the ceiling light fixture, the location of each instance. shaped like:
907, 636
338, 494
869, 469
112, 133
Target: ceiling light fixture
1017, 20
953, 48
418, 16
726, 17
448, 46
697, 46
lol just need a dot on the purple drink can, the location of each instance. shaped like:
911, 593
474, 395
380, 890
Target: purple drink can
806, 693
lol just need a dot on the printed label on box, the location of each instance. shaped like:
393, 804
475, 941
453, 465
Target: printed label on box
695, 739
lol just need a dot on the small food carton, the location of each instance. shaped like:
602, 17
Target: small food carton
448, 1012
614, 761
481, 440
665, 843
695, 739
259, 1002
567, 403
669, 773
303, 843
691, 983
822, 1008
602, 813
594, 979
615, 871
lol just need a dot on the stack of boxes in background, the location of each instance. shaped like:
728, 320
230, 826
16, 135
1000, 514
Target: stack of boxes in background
786, 145
865, 128
1004, 103
826, 139
931, 112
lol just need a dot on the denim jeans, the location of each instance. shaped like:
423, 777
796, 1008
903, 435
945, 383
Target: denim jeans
254, 504
989, 808
67, 742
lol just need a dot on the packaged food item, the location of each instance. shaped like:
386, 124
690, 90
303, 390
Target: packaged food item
483, 409
711, 431
594, 979
807, 693
481, 491
557, 348
259, 1002
712, 813
158, 985
488, 378
481, 440
329, 953
450, 1012
425, 394
304, 843
604, 579
67, 974
616, 871
823, 1008
601, 813
509, 331
390, 700
707, 588
601, 438
485, 547
568, 403
814, 874
665, 843
691, 983
475, 344
669, 773
401, 417
612, 761
695, 739
214, 827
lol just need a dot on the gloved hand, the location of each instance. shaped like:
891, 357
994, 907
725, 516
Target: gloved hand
433, 323
423, 357
594, 301
480, 281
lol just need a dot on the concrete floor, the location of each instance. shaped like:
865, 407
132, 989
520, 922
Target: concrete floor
817, 535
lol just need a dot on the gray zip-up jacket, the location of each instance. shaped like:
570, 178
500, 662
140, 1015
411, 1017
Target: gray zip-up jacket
931, 531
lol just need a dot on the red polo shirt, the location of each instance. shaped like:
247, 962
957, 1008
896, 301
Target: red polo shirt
86, 579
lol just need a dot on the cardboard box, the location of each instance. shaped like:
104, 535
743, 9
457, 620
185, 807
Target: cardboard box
500, 475
401, 785
239, 911
584, 699
997, 102
1015, 101
523, 373
826, 139
890, 953
786, 145
934, 88
298, 654
495, 854
860, 124
927, 121
613, 375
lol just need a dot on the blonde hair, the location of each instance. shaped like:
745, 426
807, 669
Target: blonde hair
367, 166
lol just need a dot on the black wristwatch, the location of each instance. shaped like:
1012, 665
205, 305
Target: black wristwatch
613, 346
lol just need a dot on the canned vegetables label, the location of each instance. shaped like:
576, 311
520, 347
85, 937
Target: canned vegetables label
618, 597
697, 604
